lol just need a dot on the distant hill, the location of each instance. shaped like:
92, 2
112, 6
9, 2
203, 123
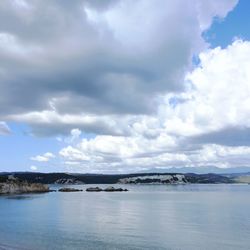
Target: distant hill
66, 178
201, 170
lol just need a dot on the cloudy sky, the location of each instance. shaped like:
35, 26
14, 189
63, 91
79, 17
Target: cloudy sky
124, 85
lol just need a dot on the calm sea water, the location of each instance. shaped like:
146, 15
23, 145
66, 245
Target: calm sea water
147, 217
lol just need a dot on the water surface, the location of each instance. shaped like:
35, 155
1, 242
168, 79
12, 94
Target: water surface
147, 217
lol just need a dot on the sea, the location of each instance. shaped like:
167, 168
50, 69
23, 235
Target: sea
174, 217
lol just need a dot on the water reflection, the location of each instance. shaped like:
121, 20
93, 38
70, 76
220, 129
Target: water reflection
146, 217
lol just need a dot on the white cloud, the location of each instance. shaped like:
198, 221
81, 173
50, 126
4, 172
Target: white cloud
121, 73
109, 152
221, 156
43, 158
219, 96
33, 168
4, 129
209, 8
216, 99
74, 135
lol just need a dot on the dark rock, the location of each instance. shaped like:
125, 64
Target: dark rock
69, 190
112, 189
108, 189
94, 189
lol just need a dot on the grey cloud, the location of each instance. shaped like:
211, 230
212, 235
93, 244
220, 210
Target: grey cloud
45, 130
52, 52
56, 126
230, 136
101, 5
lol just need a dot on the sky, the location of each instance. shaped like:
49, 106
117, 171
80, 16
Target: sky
120, 86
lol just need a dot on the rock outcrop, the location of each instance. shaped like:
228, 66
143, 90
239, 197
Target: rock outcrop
112, 189
94, 189
14, 186
69, 190
108, 189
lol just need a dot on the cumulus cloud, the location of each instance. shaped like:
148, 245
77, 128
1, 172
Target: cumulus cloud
108, 156
43, 158
122, 71
206, 125
89, 58
4, 129
220, 96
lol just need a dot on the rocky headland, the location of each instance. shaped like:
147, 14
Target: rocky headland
11, 185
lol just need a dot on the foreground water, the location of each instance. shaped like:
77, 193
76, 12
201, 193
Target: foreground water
146, 217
